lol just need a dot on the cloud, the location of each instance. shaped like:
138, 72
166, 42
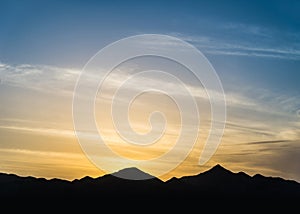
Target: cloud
268, 142
45, 131
258, 112
282, 156
254, 53
252, 128
47, 164
44, 78
61, 81
278, 103
260, 42
48, 154
252, 30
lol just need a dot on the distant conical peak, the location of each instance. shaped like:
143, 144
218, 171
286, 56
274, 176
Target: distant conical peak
132, 173
219, 168
130, 169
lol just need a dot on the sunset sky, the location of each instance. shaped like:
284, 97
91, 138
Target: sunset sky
254, 46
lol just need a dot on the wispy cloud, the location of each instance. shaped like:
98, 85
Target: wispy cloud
279, 103
48, 154
62, 81
247, 29
39, 77
260, 42
268, 142
46, 131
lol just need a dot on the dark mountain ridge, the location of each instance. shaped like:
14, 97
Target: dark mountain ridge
217, 182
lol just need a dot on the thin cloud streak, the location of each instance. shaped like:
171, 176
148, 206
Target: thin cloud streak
268, 142
219, 46
43, 78
42, 153
45, 131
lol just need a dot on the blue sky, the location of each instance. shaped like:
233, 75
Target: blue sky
255, 41
254, 47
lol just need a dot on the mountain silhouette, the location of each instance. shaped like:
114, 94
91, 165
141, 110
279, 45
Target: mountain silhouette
133, 173
217, 182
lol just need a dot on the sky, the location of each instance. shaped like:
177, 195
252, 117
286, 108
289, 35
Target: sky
254, 46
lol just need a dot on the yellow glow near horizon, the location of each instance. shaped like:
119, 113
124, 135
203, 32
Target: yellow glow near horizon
49, 156
37, 137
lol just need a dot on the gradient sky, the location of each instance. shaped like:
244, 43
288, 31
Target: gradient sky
254, 47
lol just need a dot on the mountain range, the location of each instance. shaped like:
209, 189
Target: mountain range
217, 182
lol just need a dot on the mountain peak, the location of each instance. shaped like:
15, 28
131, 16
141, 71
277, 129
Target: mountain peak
219, 169
132, 173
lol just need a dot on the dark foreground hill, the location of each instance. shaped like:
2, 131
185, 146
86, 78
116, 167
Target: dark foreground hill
217, 182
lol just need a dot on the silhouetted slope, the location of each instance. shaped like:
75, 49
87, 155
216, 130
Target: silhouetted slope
220, 182
116, 186
133, 173
217, 182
